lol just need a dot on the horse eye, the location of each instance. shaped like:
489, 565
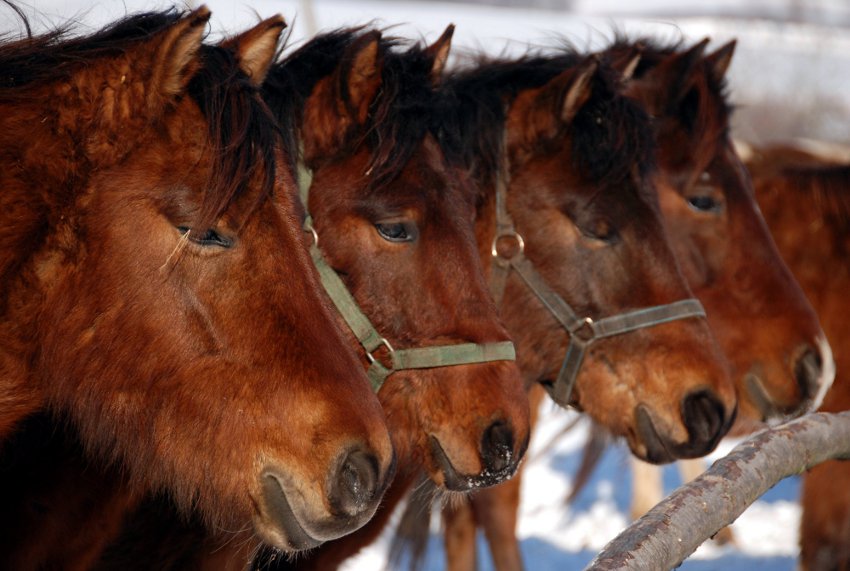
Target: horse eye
208, 238
395, 232
703, 203
603, 231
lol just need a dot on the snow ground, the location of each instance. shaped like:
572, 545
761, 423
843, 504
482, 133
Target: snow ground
806, 63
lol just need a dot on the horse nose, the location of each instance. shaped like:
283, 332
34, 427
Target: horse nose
807, 371
705, 417
497, 445
354, 486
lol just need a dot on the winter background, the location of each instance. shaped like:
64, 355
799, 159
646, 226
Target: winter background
789, 80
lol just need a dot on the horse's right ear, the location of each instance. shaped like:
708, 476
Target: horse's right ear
341, 101
175, 59
627, 62
256, 48
439, 54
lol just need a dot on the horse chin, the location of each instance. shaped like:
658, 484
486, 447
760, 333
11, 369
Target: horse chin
771, 413
277, 524
648, 445
454, 481
286, 522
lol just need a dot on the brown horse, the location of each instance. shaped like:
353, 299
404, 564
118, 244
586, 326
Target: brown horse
392, 218
781, 362
578, 167
146, 213
805, 199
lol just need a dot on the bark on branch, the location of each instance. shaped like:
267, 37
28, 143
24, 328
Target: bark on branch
673, 529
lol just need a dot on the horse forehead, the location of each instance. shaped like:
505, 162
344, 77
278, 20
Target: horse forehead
428, 178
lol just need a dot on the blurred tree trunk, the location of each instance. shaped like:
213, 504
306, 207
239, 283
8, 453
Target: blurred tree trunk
673, 529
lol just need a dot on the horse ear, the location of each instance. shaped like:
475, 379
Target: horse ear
719, 61
626, 63
439, 52
676, 73
256, 48
364, 74
578, 90
341, 100
539, 114
176, 56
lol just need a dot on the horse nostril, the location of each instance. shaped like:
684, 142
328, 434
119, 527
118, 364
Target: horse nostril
807, 371
354, 485
704, 416
497, 445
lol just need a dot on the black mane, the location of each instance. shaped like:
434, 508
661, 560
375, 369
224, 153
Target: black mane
610, 133
705, 110
402, 114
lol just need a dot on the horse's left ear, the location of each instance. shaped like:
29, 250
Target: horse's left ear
677, 74
719, 61
439, 52
256, 48
340, 102
539, 114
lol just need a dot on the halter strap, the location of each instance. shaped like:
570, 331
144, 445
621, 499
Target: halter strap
368, 336
582, 332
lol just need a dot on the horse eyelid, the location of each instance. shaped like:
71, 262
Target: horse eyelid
209, 238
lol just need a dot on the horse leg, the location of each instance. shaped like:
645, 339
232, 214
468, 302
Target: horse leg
647, 488
496, 511
825, 525
459, 533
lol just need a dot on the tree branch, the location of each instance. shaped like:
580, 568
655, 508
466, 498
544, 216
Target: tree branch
673, 529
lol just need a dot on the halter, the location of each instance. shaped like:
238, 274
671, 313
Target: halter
582, 332
368, 336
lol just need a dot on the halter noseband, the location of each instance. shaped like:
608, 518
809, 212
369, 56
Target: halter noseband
368, 336
582, 332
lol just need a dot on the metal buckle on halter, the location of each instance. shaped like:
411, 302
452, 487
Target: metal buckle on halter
385, 343
584, 332
520, 245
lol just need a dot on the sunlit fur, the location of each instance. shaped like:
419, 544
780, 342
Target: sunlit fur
756, 309
184, 369
806, 202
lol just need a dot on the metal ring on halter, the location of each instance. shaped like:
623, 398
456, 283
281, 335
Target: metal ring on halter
386, 344
314, 233
513, 233
586, 324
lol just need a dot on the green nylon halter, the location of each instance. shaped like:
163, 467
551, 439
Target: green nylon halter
582, 332
368, 336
